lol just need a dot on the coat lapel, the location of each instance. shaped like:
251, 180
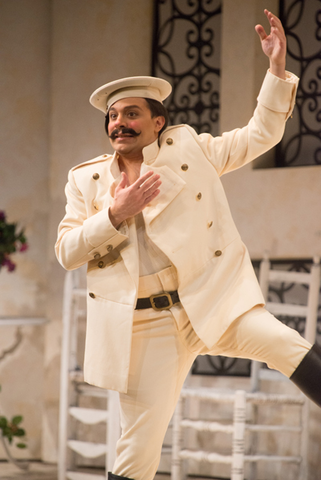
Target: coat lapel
171, 186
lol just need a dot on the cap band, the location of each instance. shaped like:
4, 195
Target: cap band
133, 92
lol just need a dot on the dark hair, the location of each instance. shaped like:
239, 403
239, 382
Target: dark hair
156, 108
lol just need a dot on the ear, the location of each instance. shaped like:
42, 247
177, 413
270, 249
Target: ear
159, 123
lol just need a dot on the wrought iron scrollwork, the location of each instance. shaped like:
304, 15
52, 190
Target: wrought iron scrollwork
186, 52
301, 144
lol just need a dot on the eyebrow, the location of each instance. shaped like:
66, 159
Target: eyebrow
125, 108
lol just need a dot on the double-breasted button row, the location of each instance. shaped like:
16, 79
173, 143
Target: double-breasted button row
170, 141
184, 167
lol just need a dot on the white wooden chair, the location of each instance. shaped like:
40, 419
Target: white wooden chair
72, 389
308, 311
237, 400
254, 397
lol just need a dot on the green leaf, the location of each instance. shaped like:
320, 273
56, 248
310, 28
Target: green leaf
20, 432
16, 420
21, 445
3, 422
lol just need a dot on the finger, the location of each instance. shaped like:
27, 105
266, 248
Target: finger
261, 32
152, 196
273, 20
124, 182
152, 188
142, 179
151, 181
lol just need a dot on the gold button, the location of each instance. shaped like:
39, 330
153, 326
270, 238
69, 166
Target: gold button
184, 167
101, 264
95, 176
218, 253
109, 248
199, 196
209, 224
97, 255
92, 295
169, 141
96, 206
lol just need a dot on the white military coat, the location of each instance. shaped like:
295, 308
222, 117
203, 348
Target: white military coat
190, 221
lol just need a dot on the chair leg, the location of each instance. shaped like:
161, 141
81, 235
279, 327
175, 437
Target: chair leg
176, 461
307, 376
237, 470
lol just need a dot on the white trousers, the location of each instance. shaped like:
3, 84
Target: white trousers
164, 347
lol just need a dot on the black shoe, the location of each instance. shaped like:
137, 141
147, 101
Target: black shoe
112, 476
307, 376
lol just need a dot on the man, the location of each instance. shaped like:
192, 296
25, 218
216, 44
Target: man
168, 275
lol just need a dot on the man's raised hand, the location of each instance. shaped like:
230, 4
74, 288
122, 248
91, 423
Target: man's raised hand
274, 44
129, 200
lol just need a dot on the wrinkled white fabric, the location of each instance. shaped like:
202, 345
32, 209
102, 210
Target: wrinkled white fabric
164, 347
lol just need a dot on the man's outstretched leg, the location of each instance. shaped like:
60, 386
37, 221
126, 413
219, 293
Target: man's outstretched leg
258, 335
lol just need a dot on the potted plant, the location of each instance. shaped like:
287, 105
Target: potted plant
9, 429
11, 240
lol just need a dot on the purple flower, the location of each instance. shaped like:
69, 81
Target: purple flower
2, 216
23, 247
9, 264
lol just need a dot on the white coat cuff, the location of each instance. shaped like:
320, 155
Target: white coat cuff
277, 94
101, 234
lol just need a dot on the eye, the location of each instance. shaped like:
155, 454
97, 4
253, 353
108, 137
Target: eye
132, 114
112, 116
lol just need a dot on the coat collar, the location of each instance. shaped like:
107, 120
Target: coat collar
171, 186
151, 152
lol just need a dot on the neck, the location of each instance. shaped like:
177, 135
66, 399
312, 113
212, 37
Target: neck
131, 167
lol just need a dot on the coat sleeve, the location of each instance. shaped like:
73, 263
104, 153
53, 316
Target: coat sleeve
82, 238
234, 149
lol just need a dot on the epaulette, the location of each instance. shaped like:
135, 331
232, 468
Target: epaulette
101, 158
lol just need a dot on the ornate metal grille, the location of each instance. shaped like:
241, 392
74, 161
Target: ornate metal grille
301, 144
290, 293
186, 52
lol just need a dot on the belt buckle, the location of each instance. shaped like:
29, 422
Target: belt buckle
165, 294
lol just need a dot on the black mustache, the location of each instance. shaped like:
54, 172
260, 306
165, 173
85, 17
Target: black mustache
123, 131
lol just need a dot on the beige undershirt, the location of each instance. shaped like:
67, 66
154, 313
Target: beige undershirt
151, 258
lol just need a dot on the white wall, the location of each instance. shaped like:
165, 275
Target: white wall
24, 181
276, 210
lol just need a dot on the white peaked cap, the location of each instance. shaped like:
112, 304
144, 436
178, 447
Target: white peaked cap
144, 87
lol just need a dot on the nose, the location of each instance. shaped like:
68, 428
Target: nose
120, 121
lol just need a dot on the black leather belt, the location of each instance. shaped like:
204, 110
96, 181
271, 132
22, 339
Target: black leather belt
162, 301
